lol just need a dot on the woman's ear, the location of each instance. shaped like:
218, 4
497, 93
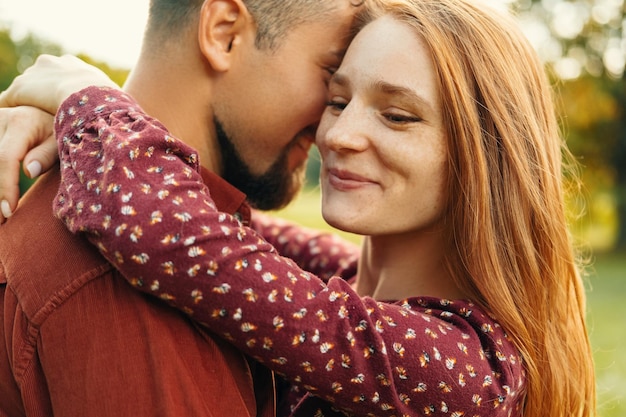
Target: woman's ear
221, 26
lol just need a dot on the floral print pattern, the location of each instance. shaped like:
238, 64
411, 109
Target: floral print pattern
136, 191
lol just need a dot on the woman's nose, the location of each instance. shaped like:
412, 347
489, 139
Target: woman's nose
346, 131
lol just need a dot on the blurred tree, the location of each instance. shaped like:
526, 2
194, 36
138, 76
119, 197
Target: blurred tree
8, 59
593, 109
584, 43
577, 36
15, 56
118, 75
617, 157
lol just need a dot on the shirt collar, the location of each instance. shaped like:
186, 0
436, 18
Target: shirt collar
226, 197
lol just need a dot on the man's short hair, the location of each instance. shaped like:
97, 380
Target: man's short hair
168, 19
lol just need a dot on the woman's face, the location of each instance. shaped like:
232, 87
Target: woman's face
381, 137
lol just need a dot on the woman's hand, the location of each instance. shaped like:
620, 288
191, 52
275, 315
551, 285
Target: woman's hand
26, 134
50, 81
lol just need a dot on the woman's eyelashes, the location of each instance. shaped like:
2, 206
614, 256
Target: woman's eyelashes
401, 118
337, 105
396, 117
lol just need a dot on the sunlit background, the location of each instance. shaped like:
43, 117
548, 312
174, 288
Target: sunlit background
106, 30
582, 43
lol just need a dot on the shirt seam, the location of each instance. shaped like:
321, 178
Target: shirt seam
26, 352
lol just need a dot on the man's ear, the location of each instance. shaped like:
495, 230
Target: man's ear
221, 26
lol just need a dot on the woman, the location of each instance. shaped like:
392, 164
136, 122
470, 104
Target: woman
439, 144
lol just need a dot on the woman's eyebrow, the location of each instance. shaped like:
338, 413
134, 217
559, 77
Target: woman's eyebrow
339, 79
405, 93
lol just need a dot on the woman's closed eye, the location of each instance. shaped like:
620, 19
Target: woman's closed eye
336, 105
401, 118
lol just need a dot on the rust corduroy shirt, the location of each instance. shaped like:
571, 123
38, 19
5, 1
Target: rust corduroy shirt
77, 341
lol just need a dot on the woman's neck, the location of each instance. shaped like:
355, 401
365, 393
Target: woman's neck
395, 267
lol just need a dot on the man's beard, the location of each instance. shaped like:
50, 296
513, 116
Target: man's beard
269, 191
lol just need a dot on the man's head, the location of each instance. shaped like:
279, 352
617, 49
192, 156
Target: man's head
273, 18
265, 66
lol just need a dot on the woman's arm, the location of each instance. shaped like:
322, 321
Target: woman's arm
321, 253
137, 193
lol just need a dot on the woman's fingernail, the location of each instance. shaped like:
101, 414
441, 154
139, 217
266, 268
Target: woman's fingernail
34, 169
6, 209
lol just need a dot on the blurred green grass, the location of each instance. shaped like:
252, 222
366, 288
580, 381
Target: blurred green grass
607, 329
606, 285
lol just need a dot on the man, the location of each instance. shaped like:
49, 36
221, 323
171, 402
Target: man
243, 82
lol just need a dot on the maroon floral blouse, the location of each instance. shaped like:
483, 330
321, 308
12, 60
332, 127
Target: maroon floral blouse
137, 192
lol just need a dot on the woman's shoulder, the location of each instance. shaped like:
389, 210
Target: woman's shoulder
479, 330
443, 308
474, 322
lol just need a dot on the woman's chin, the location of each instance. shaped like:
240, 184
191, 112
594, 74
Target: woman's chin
341, 221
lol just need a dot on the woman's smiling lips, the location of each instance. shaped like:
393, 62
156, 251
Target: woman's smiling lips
345, 180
